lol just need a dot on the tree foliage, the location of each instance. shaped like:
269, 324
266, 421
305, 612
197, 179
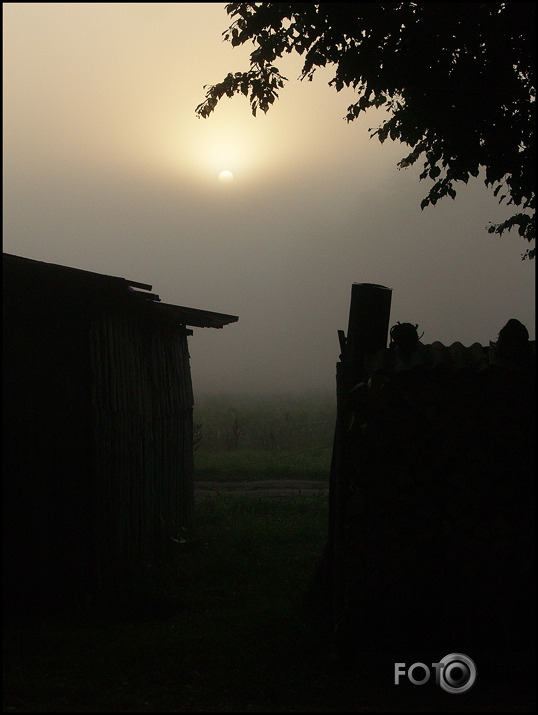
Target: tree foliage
456, 79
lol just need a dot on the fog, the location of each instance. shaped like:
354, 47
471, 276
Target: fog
106, 168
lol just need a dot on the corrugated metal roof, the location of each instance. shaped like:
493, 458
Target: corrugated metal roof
512, 350
451, 358
40, 274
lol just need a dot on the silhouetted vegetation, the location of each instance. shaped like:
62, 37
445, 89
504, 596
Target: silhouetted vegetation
456, 79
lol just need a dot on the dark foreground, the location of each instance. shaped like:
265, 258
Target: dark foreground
226, 627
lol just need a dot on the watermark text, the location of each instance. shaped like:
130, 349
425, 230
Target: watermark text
455, 673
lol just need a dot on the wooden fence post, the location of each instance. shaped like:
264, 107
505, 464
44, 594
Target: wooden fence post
368, 326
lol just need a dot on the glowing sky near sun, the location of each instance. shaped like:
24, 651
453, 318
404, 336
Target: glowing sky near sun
107, 168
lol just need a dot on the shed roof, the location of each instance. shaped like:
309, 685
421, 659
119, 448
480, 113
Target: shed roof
36, 274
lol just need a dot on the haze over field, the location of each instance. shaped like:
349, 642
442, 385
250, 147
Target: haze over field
107, 168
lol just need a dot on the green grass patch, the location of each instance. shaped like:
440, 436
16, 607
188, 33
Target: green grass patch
256, 464
263, 437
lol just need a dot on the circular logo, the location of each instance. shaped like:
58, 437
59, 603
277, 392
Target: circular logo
458, 673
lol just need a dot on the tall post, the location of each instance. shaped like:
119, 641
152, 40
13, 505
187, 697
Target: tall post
369, 316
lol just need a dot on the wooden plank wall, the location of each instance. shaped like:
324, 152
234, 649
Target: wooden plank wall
142, 416
438, 545
48, 486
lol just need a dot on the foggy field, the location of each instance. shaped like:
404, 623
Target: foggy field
257, 438
247, 465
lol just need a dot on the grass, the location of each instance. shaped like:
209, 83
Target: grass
222, 627
264, 437
272, 423
219, 627
256, 464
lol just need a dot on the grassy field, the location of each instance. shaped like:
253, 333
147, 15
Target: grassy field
264, 437
221, 627
253, 465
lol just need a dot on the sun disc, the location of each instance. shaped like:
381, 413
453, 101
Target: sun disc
226, 177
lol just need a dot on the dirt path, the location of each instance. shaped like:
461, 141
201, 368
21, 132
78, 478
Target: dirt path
270, 487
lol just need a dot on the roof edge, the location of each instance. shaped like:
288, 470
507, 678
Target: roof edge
197, 318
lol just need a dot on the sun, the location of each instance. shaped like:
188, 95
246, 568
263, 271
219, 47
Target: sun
226, 177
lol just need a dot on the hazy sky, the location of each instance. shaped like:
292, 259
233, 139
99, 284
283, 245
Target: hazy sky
107, 168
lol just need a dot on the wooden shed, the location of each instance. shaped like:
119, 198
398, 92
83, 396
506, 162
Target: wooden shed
432, 494
98, 430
